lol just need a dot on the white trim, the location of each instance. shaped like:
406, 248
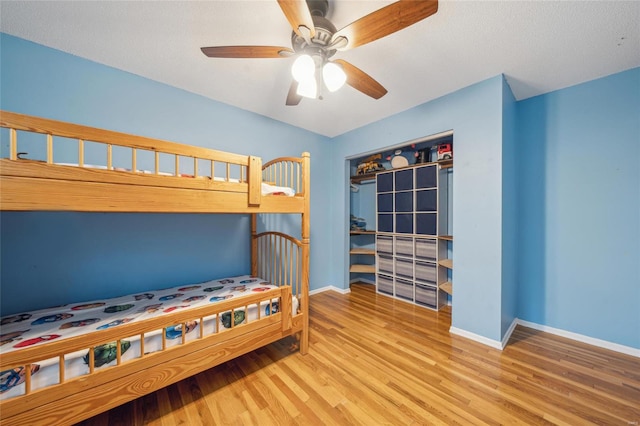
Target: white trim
478, 338
582, 338
329, 288
507, 335
558, 332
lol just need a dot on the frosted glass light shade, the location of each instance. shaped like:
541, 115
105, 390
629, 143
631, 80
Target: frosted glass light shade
303, 68
333, 76
308, 88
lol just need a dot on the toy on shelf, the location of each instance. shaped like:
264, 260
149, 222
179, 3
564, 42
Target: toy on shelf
445, 151
403, 157
358, 224
370, 165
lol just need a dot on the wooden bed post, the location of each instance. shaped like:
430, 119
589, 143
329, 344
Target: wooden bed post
254, 175
254, 245
306, 173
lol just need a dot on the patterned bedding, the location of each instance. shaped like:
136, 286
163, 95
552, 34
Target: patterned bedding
266, 188
38, 327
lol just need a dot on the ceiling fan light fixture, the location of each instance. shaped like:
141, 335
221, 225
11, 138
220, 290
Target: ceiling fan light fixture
308, 88
303, 68
333, 76
315, 39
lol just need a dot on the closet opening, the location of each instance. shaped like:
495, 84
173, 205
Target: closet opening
401, 220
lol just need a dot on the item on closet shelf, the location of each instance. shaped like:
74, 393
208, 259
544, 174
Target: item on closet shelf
445, 151
398, 160
358, 223
370, 165
400, 157
424, 156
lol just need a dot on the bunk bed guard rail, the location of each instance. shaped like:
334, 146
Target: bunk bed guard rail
64, 157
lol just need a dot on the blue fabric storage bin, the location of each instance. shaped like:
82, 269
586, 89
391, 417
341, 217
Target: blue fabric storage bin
404, 201
384, 182
426, 223
427, 200
385, 223
404, 223
385, 202
404, 180
427, 177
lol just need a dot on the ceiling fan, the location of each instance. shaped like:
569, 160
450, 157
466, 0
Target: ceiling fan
315, 40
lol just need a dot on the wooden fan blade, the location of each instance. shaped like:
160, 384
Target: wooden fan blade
292, 97
361, 81
247, 52
299, 16
383, 22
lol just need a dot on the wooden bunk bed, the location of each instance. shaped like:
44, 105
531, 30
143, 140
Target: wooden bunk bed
217, 182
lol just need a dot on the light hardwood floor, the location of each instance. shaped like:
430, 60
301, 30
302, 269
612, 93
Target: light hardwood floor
375, 360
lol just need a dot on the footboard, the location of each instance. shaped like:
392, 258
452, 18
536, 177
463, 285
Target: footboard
284, 261
102, 387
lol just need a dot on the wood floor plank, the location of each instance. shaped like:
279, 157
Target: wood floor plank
376, 360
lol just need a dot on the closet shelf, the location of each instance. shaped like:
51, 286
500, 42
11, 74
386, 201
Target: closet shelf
362, 251
447, 287
445, 164
447, 263
357, 179
361, 178
362, 232
366, 269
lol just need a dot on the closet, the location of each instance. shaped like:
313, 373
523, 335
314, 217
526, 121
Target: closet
412, 230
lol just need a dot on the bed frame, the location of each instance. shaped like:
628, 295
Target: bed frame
28, 184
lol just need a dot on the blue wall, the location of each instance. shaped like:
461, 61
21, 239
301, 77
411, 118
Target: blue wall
55, 255
579, 255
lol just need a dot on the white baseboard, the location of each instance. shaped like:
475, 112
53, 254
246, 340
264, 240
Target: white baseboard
485, 340
507, 335
478, 338
582, 338
558, 332
330, 288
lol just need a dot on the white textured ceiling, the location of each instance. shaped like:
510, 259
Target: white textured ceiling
540, 46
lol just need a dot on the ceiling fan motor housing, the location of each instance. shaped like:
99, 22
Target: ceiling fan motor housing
318, 7
318, 46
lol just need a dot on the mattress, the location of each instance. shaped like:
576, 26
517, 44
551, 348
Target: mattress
34, 328
266, 188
